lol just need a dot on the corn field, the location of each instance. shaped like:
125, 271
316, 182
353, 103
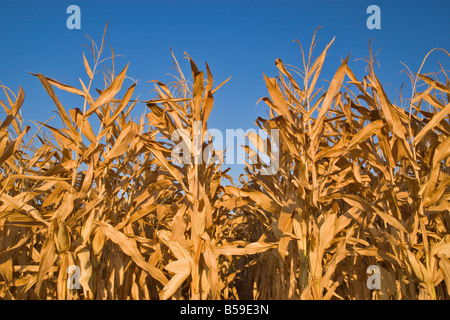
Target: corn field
361, 182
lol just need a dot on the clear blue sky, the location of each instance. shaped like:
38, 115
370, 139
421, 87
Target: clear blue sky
241, 39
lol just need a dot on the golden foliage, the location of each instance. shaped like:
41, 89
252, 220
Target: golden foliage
361, 182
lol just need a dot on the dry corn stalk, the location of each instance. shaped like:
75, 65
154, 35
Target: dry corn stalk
360, 182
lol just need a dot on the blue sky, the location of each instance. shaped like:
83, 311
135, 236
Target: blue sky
241, 39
